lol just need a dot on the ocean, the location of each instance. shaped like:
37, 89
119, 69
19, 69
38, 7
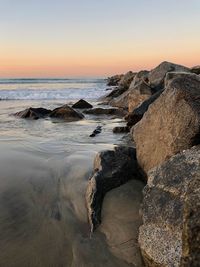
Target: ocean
44, 171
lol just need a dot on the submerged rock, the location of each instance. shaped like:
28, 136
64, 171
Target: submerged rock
170, 233
171, 124
33, 113
82, 104
96, 131
157, 75
66, 113
112, 169
106, 111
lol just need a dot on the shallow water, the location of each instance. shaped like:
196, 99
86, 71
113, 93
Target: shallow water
44, 168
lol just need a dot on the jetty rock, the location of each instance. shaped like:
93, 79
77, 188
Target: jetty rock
66, 113
106, 111
170, 234
171, 123
112, 168
33, 113
114, 80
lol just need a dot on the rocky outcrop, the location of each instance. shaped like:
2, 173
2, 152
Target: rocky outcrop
170, 233
114, 80
136, 115
66, 113
33, 113
157, 75
196, 70
112, 169
171, 124
106, 111
140, 76
82, 104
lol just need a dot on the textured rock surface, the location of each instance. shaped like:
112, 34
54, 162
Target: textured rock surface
171, 223
82, 104
138, 94
171, 124
140, 76
33, 113
196, 69
66, 113
106, 111
112, 169
114, 80
127, 79
157, 75
137, 114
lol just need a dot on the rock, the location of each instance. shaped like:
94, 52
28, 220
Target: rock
139, 77
138, 94
136, 115
126, 80
112, 168
33, 113
171, 124
170, 233
82, 104
106, 111
114, 80
195, 70
96, 131
157, 75
121, 129
66, 113
114, 93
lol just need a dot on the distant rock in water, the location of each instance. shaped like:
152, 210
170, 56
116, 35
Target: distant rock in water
112, 169
172, 122
96, 131
66, 113
170, 234
106, 111
82, 104
33, 113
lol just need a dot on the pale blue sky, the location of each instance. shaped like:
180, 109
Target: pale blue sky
112, 33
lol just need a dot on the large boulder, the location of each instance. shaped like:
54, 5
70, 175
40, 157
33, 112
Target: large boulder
157, 75
112, 168
136, 115
127, 79
171, 123
33, 113
114, 80
106, 111
170, 234
66, 113
140, 76
138, 94
82, 104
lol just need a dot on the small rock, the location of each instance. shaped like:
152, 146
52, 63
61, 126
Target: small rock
121, 129
96, 131
33, 113
66, 113
106, 111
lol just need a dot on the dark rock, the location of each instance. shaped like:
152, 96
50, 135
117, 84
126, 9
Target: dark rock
112, 169
195, 70
127, 79
33, 113
66, 113
136, 115
157, 75
171, 124
114, 80
106, 111
121, 129
82, 104
114, 93
96, 131
170, 233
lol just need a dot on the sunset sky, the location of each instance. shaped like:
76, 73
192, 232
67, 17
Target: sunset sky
65, 38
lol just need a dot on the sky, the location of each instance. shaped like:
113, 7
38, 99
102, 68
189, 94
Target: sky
96, 38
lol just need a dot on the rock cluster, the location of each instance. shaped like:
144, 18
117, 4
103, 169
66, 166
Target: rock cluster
164, 119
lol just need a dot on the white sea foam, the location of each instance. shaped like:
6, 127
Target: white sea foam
49, 89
